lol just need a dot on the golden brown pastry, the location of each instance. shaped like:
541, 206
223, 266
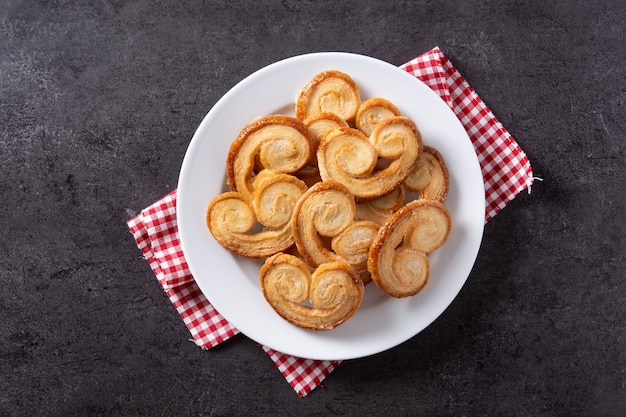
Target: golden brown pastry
430, 176
324, 228
380, 208
329, 92
233, 220
372, 111
275, 196
324, 210
398, 260
319, 125
353, 245
349, 157
277, 142
430, 225
333, 290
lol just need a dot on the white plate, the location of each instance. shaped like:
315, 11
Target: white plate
231, 283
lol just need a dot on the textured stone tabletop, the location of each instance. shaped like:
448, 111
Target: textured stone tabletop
98, 103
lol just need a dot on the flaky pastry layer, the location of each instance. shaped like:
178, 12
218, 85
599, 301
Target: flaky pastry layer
398, 260
276, 142
329, 92
333, 290
430, 176
347, 156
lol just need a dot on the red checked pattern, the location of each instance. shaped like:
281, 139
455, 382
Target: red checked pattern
505, 167
506, 172
302, 374
156, 234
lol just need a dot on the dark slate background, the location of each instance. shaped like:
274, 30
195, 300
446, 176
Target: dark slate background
98, 102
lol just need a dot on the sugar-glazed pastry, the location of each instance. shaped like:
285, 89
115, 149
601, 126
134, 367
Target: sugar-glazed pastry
233, 220
372, 111
398, 260
349, 157
333, 291
277, 142
379, 209
324, 211
275, 196
430, 176
319, 125
329, 92
353, 245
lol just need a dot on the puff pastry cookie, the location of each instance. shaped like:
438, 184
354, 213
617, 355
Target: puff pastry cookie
333, 291
398, 260
329, 92
347, 156
430, 176
324, 211
372, 111
325, 230
277, 142
379, 209
232, 219
319, 126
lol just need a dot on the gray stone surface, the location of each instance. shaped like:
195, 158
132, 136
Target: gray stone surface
98, 102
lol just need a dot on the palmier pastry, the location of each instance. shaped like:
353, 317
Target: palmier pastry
398, 260
380, 208
372, 111
333, 290
319, 125
324, 228
429, 177
349, 157
279, 143
324, 211
353, 245
329, 92
233, 220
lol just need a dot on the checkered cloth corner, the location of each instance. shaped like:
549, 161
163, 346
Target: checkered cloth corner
304, 375
506, 171
505, 167
156, 235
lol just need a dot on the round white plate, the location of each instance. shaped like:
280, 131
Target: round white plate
230, 282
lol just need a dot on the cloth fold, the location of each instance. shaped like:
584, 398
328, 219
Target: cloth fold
506, 172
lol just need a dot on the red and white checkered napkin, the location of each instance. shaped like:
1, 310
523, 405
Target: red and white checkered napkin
506, 171
505, 167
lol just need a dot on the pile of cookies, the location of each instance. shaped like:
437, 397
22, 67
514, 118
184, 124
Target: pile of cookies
342, 194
